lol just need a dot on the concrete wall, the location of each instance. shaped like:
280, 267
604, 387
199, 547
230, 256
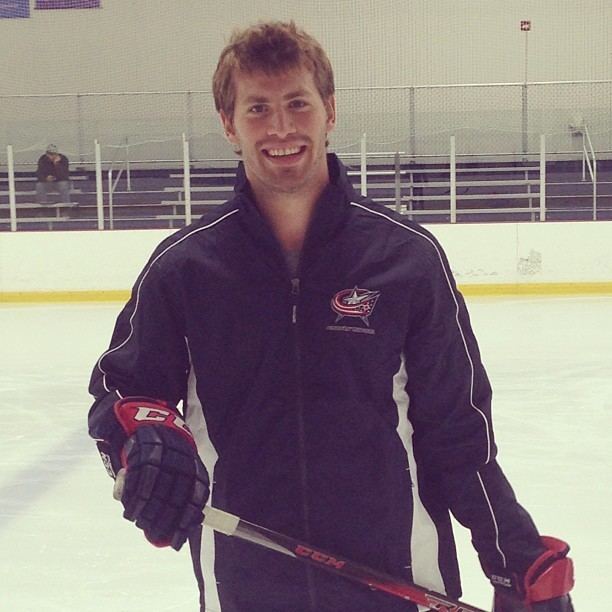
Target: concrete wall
144, 45
486, 258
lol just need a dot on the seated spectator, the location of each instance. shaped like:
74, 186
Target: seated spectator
52, 174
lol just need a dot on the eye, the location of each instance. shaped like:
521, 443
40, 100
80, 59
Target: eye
298, 103
257, 109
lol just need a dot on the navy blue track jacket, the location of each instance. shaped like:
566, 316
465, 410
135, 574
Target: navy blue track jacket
347, 407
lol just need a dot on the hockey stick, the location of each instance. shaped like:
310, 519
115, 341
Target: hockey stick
231, 525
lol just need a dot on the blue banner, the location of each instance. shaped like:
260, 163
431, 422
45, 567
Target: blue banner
10, 9
66, 4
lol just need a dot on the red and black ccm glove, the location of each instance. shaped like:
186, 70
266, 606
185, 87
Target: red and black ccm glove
545, 586
163, 484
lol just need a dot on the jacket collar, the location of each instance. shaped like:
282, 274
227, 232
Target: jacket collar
331, 211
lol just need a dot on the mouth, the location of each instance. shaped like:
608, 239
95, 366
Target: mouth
282, 154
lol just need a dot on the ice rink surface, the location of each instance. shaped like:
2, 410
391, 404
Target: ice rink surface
64, 546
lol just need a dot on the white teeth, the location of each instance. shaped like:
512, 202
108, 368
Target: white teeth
281, 152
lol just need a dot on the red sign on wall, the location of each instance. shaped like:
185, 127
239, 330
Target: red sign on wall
525, 26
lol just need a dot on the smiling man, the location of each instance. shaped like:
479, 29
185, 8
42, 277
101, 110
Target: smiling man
309, 350
280, 124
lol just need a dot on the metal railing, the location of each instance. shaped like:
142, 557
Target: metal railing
589, 161
111, 188
365, 166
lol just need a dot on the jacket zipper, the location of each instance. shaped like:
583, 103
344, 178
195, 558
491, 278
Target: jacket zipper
299, 399
295, 293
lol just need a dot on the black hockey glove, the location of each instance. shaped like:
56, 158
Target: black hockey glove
545, 586
163, 484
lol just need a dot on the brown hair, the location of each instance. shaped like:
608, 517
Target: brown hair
272, 48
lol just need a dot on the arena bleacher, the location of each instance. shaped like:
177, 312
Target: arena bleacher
486, 191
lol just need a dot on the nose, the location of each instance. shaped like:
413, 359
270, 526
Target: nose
281, 123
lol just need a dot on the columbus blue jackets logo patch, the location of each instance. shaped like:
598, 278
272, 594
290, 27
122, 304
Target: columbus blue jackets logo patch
355, 302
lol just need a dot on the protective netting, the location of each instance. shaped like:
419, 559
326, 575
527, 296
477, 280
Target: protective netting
416, 121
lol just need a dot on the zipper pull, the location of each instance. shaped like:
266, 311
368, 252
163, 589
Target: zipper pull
295, 291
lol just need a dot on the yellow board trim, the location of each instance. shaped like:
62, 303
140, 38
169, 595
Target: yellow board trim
508, 289
537, 289
15, 297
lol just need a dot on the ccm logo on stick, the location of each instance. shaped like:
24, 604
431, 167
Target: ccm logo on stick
321, 558
436, 604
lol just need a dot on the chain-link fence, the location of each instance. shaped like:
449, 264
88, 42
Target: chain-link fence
488, 119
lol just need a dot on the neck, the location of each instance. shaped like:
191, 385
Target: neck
289, 211
289, 216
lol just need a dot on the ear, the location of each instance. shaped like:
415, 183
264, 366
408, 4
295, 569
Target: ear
330, 109
228, 128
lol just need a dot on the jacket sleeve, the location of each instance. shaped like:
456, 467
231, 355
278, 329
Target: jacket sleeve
41, 168
450, 410
62, 169
148, 354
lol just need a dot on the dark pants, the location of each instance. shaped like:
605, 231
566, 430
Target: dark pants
44, 187
256, 580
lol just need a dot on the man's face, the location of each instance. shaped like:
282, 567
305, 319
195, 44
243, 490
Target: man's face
280, 124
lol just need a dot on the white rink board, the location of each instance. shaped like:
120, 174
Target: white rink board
501, 253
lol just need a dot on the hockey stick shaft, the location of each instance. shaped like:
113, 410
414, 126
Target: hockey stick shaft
231, 525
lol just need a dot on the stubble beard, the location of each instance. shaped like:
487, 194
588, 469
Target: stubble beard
291, 181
